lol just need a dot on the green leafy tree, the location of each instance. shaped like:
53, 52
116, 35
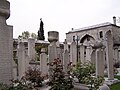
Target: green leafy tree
25, 35
33, 35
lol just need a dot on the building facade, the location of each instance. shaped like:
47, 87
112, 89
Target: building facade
88, 36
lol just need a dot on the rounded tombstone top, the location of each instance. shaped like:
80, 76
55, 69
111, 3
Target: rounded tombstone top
53, 36
5, 8
97, 45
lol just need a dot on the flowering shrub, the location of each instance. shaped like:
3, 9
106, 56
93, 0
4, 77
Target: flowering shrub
85, 73
17, 85
84, 70
34, 76
59, 80
20, 85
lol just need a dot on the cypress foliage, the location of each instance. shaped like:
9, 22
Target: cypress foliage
41, 31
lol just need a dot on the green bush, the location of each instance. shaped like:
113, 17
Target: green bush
85, 73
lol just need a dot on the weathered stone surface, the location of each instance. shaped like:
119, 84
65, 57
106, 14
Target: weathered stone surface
52, 48
6, 44
73, 53
78, 86
31, 49
104, 87
66, 59
21, 60
82, 56
4, 8
99, 62
43, 62
53, 36
109, 55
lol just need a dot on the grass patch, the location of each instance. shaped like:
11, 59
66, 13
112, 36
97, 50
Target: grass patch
118, 77
115, 86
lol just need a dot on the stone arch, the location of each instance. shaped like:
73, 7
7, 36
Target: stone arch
86, 37
108, 33
85, 48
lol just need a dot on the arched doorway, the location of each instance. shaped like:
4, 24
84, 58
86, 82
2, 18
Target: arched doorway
85, 48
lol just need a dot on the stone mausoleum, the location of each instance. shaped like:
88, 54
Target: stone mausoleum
87, 36
99, 44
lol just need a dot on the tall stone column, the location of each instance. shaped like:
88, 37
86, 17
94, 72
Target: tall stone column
82, 56
93, 56
73, 53
88, 55
65, 45
116, 54
66, 58
59, 53
100, 62
27, 65
31, 49
52, 48
109, 55
52, 51
21, 60
43, 62
6, 43
100, 58
14, 70
119, 54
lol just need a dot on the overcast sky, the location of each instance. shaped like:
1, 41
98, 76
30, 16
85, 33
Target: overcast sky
60, 15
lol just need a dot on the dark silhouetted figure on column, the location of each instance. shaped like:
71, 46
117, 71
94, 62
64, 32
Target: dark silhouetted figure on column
41, 31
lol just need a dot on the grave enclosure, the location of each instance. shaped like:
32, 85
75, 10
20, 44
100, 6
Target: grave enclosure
98, 44
67, 53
